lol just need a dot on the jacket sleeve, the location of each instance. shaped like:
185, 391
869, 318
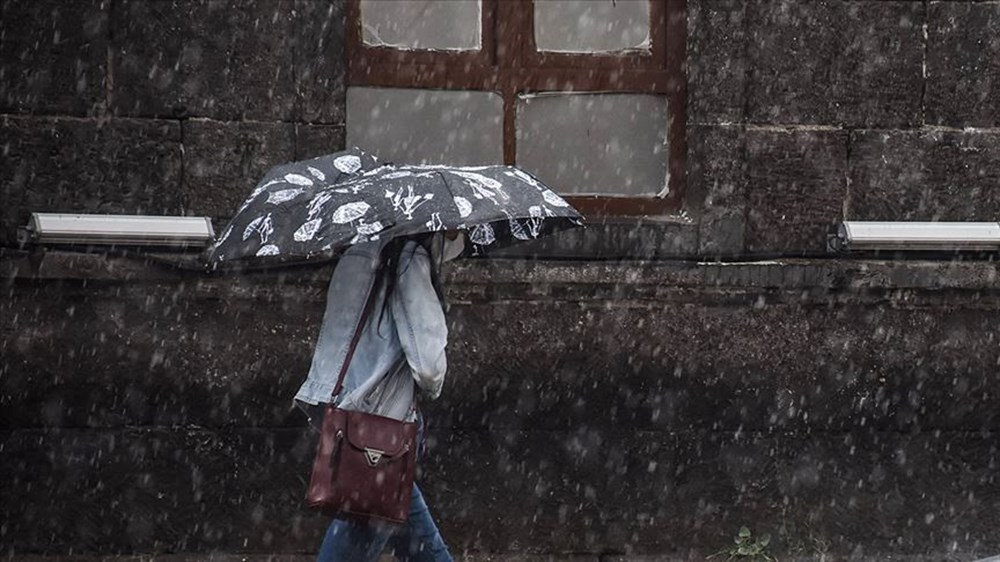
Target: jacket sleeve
420, 321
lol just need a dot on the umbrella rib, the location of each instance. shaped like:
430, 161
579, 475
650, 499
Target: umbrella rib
447, 185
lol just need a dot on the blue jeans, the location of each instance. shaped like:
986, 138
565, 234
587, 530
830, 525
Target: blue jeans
356, 541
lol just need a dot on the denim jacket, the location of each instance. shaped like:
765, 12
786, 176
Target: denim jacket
399, 344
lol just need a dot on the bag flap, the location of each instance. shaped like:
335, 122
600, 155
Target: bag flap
389, 436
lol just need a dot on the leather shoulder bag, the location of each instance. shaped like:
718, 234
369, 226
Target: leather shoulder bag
364, 463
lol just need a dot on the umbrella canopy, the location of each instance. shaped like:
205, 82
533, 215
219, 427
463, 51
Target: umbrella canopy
496, 205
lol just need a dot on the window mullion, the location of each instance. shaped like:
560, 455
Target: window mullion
512, 30
509, 125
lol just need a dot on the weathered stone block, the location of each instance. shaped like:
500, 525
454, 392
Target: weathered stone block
223, 161
53, 56
717, 184
878, 77
320, 60
963, 64
794, 45
316, 140
76, 165
906, 176
795, 188
204, 59
850, 63
615, 239
716, 60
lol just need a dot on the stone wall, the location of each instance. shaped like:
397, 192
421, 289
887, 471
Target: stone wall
804, 113
176, 107
635, 410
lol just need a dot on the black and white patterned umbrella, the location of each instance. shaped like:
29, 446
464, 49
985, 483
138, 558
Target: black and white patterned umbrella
295, 215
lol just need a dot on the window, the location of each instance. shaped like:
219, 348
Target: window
587, 94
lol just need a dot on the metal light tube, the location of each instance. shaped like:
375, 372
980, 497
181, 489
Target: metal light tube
917, 236
140, 230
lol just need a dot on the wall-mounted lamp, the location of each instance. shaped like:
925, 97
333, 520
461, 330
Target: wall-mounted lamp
862, 236
123, 230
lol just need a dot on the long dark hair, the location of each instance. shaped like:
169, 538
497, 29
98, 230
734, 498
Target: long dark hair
392, 255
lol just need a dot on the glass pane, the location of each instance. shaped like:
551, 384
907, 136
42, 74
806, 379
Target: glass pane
410, 126
595, 143
592, 26
451, 25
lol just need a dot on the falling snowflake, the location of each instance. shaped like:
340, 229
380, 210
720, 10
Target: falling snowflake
308, 230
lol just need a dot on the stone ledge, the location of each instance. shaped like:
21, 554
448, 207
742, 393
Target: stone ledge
536, 277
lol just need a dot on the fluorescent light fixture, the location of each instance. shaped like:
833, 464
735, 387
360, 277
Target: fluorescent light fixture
855, 236
125, 230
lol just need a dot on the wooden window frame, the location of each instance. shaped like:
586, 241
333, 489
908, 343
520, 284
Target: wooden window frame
509, 63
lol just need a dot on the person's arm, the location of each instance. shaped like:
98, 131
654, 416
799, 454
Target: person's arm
420, 321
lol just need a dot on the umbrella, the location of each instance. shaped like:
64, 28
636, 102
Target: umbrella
495, 205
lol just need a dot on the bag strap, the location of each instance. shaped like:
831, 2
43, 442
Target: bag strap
369, 303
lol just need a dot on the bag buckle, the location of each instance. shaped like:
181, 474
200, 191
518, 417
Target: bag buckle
373, 456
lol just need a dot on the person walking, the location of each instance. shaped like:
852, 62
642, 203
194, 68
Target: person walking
399, 355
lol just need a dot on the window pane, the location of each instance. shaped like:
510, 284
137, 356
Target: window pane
411, 126
452, 25
595, 143
592, 26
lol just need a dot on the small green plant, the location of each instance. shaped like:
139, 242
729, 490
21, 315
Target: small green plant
747, 547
